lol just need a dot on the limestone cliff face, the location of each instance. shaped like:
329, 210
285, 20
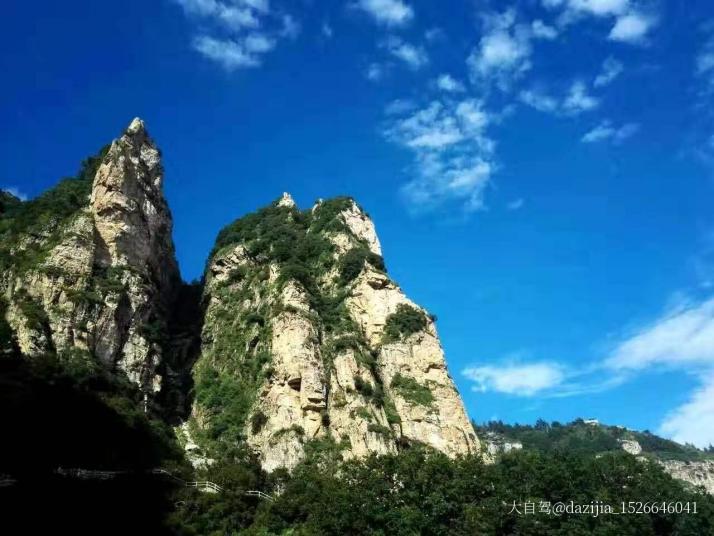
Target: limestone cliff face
304, 323
695, 473
303, 336
93, 280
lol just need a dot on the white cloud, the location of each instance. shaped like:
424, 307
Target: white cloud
516, 204
611, 69
258, 43
447, 83
607, 131
705, 60
683, 337
237, 33
14, 190
236, 15
704, 63
630, 24
387, 12
415, 57
600, 8
327, 31
578, 100
399, 106
230, 54
453, 155
291, 27
693, 422
631, 28
542, 102
504, 51
432, 127
543, 31
516, 379
375, 72
434, 34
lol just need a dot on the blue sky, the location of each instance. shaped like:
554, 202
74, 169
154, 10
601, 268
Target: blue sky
540, 172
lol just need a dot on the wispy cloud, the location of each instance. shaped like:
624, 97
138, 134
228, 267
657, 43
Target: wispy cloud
516, 379
504, 51
607, 131
693, 421
400, 106
236, 15
611, 69
681, 339
290, 26
375, 72
327, 31
630, 23
516, 204
387, 12
230, 54
453, 154
704, 63
237, 34
632, 27
448, 83
542, 31
413, 56
537, 99
576, 100
683, 336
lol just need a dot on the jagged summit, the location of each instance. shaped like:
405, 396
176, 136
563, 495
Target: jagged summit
137, 125
286, 200
97, 279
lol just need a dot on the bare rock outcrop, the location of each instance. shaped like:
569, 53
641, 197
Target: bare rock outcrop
104, 276
696, 473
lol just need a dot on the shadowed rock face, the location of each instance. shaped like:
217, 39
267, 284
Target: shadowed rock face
318, 377
107, 274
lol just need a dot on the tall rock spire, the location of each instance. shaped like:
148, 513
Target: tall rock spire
133, 225
105, 275
130, 212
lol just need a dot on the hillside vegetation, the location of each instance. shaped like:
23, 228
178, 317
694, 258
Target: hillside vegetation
581, 437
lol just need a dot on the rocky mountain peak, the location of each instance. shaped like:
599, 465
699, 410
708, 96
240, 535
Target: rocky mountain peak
136, 126
130, 212
362, 226
303, 321
96, 278
298, 332
286, 200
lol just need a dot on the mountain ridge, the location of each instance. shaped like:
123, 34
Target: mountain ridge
295, 367
303, 295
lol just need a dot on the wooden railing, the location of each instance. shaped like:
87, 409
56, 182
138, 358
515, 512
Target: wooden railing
201, 485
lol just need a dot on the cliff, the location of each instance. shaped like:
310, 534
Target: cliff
89, 271
306, 337
296, 333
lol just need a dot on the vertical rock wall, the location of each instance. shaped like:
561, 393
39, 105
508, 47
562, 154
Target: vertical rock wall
105, 276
